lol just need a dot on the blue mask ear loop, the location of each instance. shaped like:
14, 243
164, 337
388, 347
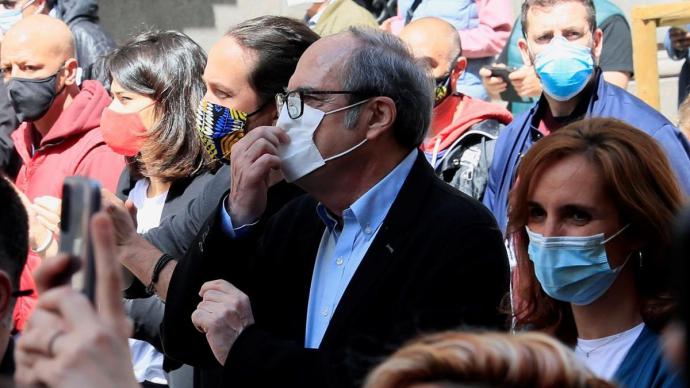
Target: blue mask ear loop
620, 267
616, 234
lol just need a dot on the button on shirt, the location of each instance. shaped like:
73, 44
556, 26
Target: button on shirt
343, 246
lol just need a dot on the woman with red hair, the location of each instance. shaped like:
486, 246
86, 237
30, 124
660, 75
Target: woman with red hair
591, 218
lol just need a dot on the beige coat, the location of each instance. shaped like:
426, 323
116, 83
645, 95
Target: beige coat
339, 15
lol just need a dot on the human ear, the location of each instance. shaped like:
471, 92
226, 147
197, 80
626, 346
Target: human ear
380, 115
524, 52
5, 296
457, 71
70, 71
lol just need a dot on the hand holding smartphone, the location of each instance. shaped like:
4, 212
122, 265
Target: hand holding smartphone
503, 72
81, 199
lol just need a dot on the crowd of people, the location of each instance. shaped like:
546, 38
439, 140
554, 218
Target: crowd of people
336, 203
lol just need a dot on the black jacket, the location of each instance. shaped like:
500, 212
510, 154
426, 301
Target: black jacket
438, 262
92, 41
9, 159
147, 312
184, 198
175, 234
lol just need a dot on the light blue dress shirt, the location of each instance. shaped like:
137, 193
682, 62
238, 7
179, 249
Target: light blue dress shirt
342, 247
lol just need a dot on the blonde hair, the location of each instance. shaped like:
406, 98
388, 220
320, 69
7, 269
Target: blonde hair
484, 359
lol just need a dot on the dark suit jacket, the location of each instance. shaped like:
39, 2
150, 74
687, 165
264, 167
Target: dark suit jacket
438, 262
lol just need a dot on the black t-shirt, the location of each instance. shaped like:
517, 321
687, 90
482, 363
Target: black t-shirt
616, 52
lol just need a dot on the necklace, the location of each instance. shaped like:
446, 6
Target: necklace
611, 340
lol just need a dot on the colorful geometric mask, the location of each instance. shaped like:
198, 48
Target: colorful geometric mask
442, 89
219, 128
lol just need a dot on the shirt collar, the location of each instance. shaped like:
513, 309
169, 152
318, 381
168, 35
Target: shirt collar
372, 207
583, 108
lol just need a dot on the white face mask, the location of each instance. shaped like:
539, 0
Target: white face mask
301, 156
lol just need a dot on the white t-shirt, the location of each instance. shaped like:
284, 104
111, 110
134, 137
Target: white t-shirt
149, 210
146, 360
604, 356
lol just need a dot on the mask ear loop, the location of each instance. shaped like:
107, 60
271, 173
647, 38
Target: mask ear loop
257, 110
620, 267
27, 4
347, 151
616, 234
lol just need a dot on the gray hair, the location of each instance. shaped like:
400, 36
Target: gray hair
383, 66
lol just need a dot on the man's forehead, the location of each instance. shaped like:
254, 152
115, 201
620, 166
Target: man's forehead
227, 60
25, 54
564, 15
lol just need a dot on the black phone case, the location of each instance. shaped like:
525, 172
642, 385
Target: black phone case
81, 198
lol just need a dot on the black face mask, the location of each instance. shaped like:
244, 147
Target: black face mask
442, 89
31, 98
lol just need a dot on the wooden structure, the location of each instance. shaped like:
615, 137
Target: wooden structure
645, 20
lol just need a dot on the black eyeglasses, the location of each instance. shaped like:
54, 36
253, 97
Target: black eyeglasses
295, 100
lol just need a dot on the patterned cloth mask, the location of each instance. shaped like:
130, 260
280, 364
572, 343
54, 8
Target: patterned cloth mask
220, 127
442, 89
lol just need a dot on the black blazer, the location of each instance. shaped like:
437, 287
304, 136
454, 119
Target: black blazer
438, 262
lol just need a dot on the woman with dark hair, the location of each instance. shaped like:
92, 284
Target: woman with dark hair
156, 83
590, 219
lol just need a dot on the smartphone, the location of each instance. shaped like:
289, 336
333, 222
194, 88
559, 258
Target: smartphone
81, 199
510, 94
502, 72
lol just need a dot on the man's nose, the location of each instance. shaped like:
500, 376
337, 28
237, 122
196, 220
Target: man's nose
14, 72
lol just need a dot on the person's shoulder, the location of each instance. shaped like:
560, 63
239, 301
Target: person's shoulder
512, 132
623, 105
446, 204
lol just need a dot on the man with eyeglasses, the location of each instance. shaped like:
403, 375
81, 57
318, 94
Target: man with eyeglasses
59, 133
378, 249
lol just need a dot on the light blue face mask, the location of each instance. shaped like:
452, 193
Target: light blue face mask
564, 68
573, 269
11, 17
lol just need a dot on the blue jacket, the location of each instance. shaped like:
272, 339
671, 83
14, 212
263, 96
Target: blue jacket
645, 366
606, 101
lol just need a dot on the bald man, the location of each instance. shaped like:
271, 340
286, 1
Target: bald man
460, 142
59, 133
92, 42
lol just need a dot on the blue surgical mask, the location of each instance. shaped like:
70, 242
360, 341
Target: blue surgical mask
573, 269
564, 68
11, 17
